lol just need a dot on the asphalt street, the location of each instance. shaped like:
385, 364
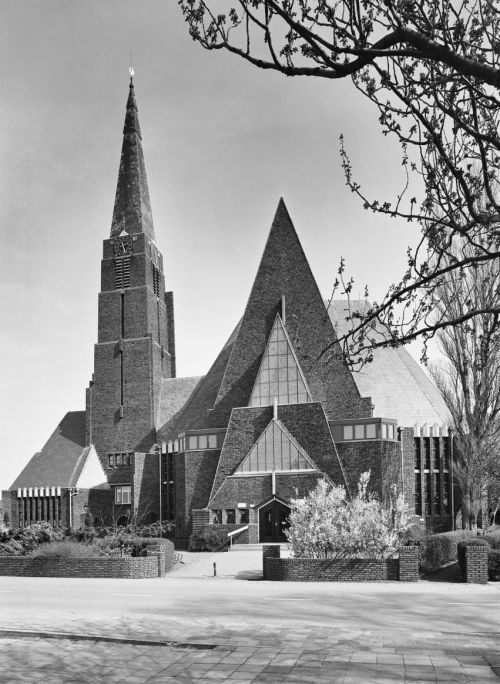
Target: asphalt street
235, 627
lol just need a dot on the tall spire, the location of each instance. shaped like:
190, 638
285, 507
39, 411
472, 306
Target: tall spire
132, 210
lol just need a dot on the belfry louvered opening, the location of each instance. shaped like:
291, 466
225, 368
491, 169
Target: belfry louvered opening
122, 273
156, 281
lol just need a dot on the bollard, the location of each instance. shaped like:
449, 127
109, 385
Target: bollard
215, 570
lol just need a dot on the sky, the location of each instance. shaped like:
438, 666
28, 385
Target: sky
222, 141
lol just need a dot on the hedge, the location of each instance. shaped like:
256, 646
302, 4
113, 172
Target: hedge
208, 539
493, 539
494, 565
439, 549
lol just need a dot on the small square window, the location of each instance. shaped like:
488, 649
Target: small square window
359, 432
123, 494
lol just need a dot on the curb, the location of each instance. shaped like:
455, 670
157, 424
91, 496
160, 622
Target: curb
28, 634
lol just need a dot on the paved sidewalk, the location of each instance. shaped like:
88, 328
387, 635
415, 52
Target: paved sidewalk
224, 629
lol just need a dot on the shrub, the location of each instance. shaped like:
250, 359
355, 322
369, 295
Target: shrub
493, 539
494, 565
67, 549
23, 540
439, 549
461, 546
327, 524
209, 540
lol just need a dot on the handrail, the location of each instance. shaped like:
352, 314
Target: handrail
231, 534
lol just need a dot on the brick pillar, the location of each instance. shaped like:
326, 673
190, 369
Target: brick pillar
408, 564
476, 564
158, 550
273, 551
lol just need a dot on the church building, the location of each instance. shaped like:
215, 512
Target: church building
273, 415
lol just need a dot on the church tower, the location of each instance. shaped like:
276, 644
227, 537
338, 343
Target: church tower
135, 348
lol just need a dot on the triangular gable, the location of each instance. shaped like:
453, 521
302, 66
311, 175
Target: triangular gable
284, 276
89, 472
280, 376
275, 450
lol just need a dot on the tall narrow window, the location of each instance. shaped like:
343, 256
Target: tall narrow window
122, 273
279, 374
156, 280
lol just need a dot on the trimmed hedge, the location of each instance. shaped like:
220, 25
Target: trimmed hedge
494, 565
493, 539
462, 545
439, 549
209, 539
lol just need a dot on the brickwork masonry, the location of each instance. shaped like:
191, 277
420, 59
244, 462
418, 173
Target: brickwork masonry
404, 569
476, 564
131, 568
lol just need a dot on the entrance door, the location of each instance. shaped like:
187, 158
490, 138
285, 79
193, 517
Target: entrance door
273, 521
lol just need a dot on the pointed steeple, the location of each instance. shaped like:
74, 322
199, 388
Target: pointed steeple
132, 210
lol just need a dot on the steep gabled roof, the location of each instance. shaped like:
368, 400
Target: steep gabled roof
132, 210
175, 415
285, 284
398, 386
61, 460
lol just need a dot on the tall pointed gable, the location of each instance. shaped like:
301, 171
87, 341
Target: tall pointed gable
285, 285
279, 376
132, 210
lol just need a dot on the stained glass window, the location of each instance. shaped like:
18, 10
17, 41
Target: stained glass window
279, 374
275, 450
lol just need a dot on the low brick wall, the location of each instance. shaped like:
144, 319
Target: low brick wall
156, 546
476, 564
279, 569
38, 566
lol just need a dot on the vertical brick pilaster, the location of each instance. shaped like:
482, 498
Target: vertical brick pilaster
476, 564
408, 564
271, 551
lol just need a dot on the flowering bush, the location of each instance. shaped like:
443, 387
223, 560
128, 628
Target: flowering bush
326, 524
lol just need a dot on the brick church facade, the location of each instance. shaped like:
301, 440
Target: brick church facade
272, 416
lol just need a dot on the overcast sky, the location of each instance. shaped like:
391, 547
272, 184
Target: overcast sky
222, 142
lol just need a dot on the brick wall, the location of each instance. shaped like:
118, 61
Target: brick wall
279, 569
194, 473
381, 457
330, 570
476, 564
133, 568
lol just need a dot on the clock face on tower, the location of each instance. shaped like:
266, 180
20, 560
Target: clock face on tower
122, 245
